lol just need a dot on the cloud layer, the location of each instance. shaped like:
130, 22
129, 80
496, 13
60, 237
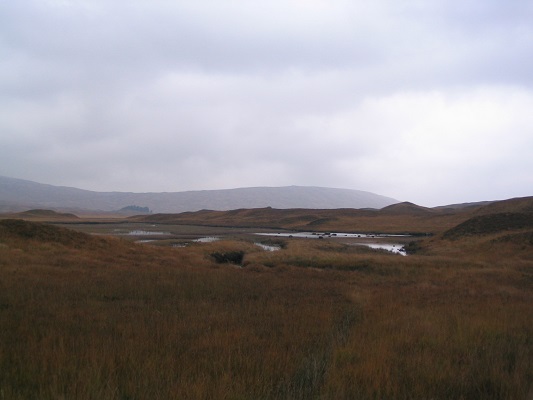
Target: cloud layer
429, 103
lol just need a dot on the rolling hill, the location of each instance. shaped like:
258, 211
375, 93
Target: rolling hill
21, 195
398, 218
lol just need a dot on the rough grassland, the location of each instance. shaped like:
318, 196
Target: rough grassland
86, 317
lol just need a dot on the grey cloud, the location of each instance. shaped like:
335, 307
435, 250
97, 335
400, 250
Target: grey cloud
136, 95
115, 41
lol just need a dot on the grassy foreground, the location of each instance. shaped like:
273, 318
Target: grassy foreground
86, 317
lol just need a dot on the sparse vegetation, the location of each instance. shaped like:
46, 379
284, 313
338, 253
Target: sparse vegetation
89, 317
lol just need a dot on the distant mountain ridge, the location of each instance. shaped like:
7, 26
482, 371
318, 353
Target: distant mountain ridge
20, 195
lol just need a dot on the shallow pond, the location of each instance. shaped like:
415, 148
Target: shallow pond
396, 248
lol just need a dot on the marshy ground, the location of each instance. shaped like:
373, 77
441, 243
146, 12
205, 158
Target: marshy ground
96, 316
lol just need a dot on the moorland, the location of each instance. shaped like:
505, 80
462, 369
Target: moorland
89, 311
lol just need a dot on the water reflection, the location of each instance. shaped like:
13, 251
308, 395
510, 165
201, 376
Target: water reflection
396, 248
145, 233
268, 247
314, 235
208, 239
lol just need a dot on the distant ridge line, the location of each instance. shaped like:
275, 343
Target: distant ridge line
20, 195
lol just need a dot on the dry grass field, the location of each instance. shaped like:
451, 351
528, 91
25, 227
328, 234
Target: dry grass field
94, 317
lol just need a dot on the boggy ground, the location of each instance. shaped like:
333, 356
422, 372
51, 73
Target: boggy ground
86, 317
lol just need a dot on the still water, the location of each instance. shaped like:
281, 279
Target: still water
396, 248
268, 247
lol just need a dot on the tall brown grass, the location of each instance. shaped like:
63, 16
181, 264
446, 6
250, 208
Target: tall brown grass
100, 318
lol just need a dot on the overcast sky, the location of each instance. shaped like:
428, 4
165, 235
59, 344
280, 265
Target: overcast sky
423, 101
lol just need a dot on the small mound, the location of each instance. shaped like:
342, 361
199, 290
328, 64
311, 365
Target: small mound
48, 214
16, 228
405, 208
492, 223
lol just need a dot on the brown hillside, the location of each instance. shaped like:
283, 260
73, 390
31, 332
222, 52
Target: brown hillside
43, 215
16, 229
398, 218
402, 219
516, 205
491, 223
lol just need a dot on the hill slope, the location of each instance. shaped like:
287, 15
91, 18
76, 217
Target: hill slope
499, 216
44, 215
338, 220
491, 223
18, 195
398, 218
